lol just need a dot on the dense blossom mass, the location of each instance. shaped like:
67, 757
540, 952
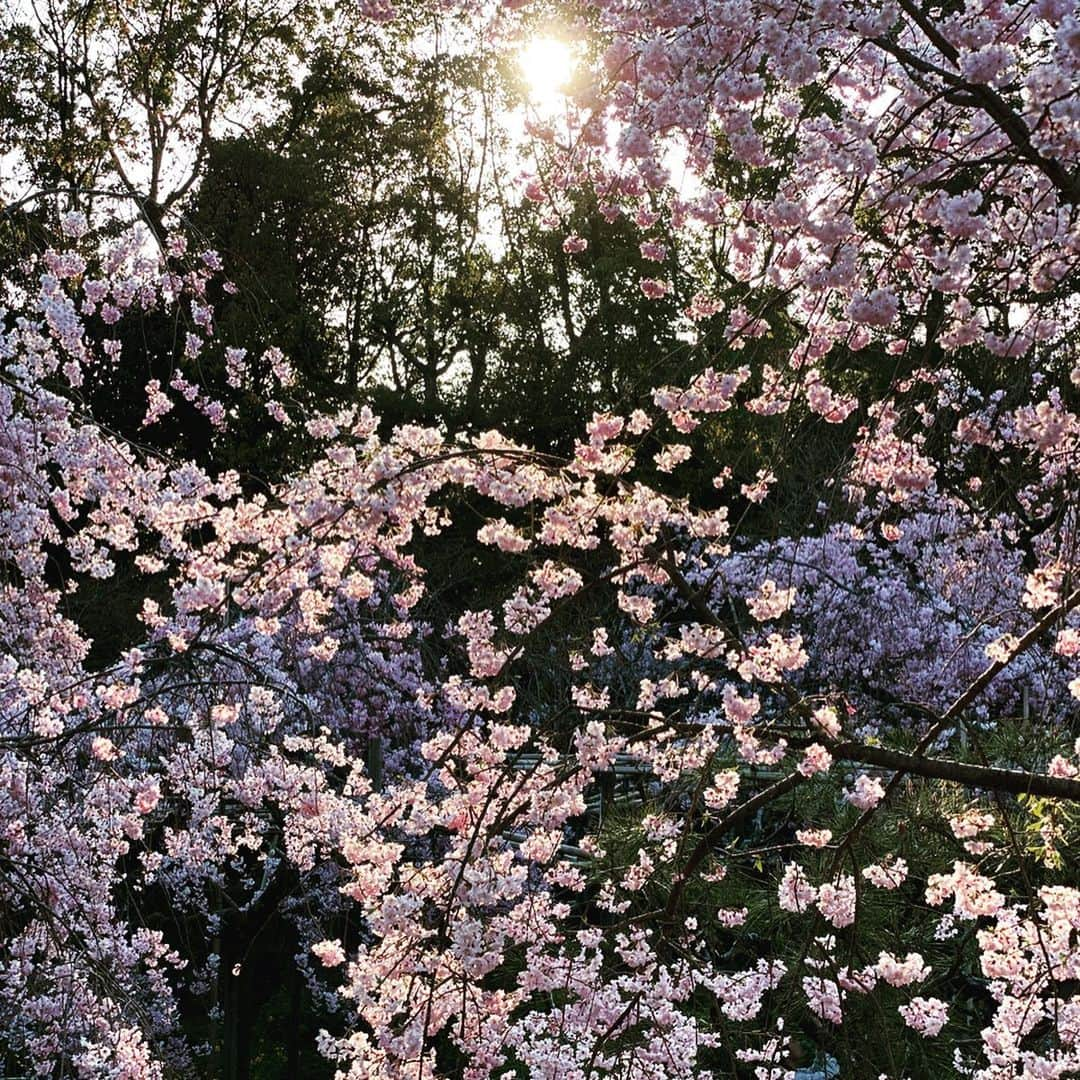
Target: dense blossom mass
889, 169
679, 795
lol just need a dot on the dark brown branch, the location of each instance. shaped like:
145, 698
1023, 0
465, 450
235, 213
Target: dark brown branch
1025, 643
1014, 781
726, 823
983, 97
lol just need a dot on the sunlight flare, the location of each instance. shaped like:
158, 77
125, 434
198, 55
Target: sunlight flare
546, 65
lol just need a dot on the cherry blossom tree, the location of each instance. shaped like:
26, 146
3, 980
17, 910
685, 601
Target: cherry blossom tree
894, 169
679, 796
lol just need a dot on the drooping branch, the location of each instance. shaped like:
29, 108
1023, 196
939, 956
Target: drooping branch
963, 91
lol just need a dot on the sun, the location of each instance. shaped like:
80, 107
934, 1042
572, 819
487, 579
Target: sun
547, 64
